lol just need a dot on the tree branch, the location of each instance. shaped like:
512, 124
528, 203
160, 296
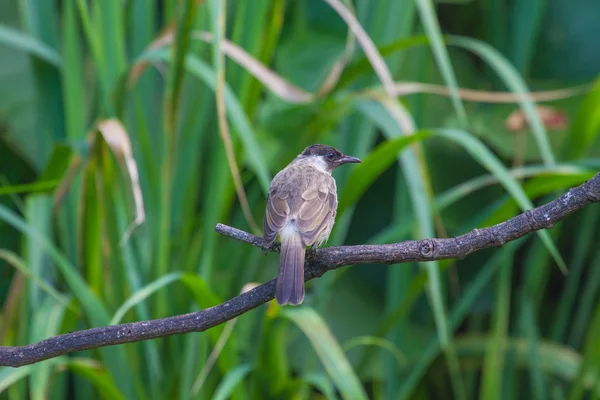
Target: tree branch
318, 262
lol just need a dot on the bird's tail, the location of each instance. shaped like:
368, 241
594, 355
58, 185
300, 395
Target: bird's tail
290, 281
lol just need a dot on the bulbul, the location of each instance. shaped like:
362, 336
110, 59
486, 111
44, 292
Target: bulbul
301, 208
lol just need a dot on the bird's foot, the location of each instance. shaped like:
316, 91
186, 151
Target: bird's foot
276, 246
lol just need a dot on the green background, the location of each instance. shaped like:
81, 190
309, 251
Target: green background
500, 324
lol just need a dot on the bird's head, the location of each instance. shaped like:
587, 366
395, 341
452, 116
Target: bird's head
326, 157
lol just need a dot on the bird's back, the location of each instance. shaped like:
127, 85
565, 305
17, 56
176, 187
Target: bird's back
304, 195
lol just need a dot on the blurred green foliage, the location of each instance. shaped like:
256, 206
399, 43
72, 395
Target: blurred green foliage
84, 81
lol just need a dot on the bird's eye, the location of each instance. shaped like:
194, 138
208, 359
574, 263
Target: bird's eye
330, 156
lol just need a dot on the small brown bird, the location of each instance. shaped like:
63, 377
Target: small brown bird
301, 208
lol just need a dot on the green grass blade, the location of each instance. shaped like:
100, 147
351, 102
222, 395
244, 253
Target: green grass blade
322, 384
142, 294
97, 52
378, 342
586, 126
109, 16
459, 311
19, 264
95, 374
239, 119
185, 24
235, 111
591, 355
566, 304
87, 368
30, 188
94, 309
376, 162
9, 376
525, 23
328, 351
47, 320
462, 190
531, 330
491, 381
29, 44
487, 159
230, 381
434, 34
515, 83
587, 303
495, 23
171, 100
205, 298
393, 121
72, 77
556, 360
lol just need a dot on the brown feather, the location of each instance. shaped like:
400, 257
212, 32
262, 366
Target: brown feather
302, 200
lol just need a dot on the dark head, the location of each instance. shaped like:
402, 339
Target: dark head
328, 157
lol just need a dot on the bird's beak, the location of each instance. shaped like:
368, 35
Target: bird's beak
349, 159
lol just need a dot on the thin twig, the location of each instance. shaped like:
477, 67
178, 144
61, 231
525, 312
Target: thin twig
318, 262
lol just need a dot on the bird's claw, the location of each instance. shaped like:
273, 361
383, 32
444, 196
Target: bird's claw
276, 246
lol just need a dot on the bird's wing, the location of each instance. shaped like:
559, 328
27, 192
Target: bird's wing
276, 215
317, 211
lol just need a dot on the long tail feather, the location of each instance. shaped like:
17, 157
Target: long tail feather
290, 281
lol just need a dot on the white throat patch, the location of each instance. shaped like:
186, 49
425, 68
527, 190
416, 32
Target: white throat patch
320, 164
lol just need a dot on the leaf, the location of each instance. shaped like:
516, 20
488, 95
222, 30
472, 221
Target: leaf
19, 264
494, 363
142, 294
22, 41
535, 188
459, 311
230, 381
116, 137
462, 190
488, 160
379, 342
515, 83
47, 321
272, 81
50, 178
555, 359
97, 375
94, 309
376, 163
328, 351
416, 175
322, 384
185, 24
586, 125
35, 187
434, 34
235, 111
205, 298
9, 376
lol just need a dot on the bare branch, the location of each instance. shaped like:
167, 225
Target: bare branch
318, 262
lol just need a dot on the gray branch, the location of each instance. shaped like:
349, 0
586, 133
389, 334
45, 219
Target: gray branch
318, 262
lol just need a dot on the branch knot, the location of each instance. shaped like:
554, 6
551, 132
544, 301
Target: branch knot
427, 248
534, 224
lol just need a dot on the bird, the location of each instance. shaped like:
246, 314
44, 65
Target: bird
300, 209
